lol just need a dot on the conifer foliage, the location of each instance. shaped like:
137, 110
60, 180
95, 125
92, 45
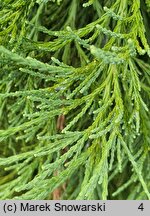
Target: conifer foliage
74, 99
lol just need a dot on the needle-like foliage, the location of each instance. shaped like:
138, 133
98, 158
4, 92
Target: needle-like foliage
74, 99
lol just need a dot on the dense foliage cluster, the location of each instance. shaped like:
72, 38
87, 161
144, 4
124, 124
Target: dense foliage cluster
74, 99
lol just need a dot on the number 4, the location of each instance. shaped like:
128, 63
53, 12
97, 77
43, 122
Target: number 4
141, 207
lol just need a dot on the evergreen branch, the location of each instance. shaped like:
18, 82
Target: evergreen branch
74, 99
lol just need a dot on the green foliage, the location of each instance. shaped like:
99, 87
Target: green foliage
87, 62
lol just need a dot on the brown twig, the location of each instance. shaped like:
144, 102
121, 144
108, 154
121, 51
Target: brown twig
60, 126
